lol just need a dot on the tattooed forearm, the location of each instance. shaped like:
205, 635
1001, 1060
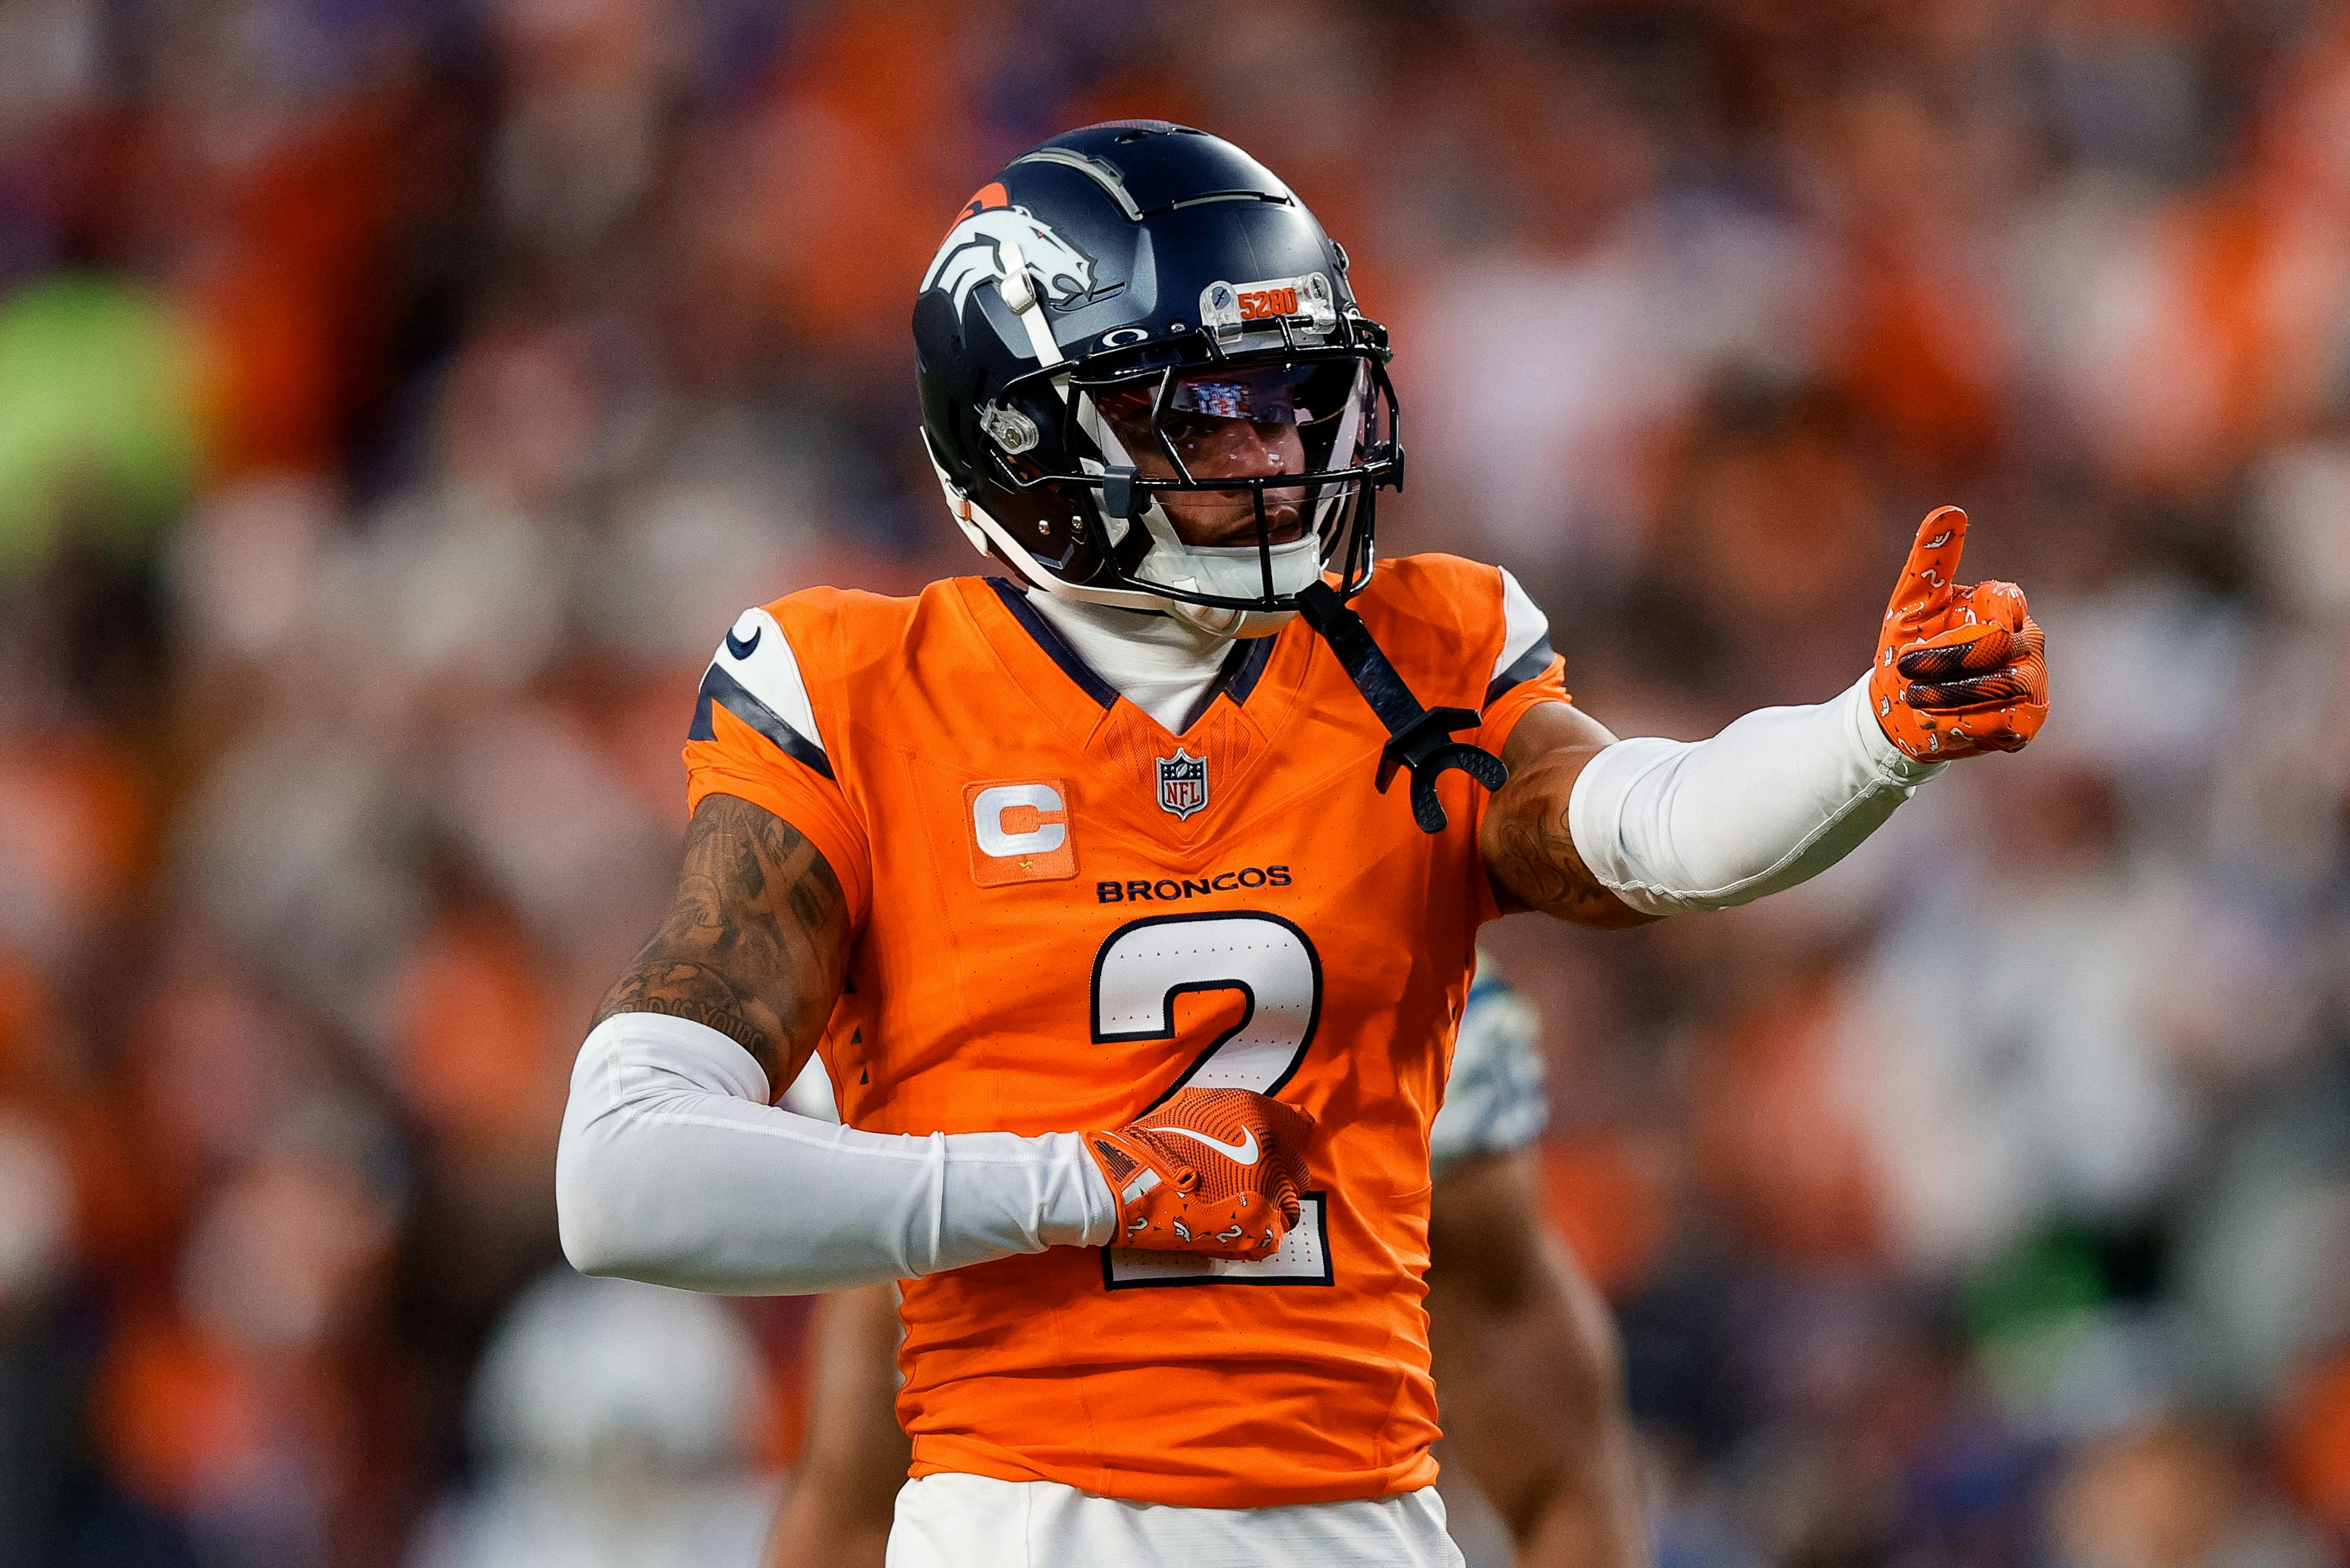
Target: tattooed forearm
756, 944
1529, 852
704, 995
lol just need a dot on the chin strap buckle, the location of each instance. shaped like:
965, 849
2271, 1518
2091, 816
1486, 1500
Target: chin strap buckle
1419, 738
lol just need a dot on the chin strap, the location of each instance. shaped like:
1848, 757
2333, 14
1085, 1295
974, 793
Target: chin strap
1419, 738
1019, 291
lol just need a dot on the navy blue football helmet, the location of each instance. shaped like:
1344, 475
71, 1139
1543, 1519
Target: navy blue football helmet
1107, 321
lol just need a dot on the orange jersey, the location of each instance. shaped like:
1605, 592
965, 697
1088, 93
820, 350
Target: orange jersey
1062, 913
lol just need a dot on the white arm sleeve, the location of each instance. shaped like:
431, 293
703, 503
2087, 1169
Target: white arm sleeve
1776, 798
674, 1169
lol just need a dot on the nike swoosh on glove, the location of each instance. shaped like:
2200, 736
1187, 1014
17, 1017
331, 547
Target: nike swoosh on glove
1958, 670
1212, 1170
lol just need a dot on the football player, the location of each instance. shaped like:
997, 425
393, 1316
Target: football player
1524, 1352
1135, 977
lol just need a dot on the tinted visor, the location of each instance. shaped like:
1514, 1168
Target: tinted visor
1196, 426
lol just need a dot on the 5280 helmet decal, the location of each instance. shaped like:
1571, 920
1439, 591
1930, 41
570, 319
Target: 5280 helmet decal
972, 252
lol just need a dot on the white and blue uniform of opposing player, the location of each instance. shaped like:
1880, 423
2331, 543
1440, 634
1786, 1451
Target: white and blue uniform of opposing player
1493, 1101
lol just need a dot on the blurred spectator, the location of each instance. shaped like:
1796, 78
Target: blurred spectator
614, 1427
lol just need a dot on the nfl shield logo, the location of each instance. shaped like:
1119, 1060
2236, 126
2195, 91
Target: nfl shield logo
1182, 783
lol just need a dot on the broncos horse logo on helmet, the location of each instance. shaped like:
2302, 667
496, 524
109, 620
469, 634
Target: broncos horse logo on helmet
972, 252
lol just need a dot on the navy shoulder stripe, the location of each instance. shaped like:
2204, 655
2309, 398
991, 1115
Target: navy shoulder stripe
1530, 663
731, 694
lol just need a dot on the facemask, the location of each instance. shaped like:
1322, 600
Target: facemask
1233, 571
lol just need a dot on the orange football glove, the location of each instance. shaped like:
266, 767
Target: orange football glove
1212, 1170
1958, 670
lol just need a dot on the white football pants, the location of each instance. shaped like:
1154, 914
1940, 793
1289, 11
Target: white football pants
975, 1521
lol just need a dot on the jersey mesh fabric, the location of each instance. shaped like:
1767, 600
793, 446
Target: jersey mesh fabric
1236, 907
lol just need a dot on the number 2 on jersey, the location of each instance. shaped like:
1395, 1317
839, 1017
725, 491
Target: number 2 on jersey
1140, 970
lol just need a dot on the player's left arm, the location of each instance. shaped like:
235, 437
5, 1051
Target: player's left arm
1607, 832
1529, 849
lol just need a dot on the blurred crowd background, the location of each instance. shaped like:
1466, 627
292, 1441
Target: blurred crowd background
399, 398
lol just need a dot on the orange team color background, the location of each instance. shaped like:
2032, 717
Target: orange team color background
398, 398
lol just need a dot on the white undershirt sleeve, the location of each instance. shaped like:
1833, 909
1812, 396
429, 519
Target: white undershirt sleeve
1776, 798
674, 1169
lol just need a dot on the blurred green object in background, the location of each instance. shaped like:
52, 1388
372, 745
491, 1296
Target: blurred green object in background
2048, 1280
99, 431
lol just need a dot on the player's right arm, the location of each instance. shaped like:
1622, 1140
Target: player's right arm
674, 1166
756, 943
